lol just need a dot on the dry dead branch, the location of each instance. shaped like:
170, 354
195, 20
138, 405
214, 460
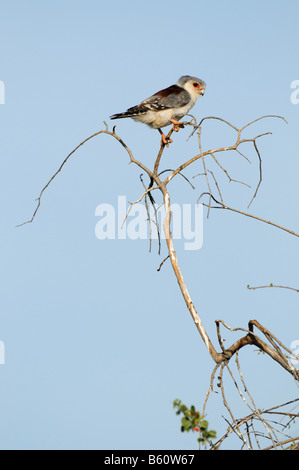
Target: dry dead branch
270, 345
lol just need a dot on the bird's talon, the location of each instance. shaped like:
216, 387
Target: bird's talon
166, 140
177, 125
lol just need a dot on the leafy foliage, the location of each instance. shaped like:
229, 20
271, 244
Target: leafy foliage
193, 421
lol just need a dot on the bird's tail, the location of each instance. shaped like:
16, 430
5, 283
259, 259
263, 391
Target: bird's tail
121, 115
131, 112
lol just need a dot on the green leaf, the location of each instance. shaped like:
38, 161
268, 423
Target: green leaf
204, 424
191, 419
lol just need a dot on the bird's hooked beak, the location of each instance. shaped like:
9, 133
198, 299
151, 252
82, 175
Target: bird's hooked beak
202, 91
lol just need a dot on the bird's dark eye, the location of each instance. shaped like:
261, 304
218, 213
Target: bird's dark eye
196, 85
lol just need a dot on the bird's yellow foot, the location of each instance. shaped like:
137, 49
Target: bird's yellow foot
177, 125
165, 140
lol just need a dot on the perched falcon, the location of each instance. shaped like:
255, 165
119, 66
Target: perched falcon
167, 106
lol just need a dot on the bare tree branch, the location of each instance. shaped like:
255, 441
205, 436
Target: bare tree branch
270, 345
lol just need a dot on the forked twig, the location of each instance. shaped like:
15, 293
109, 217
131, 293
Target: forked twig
221, 205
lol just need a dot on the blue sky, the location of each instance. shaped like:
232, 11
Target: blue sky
97, 342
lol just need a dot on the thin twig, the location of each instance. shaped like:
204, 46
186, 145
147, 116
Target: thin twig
224, 206
161, 264
272, 285
106, 131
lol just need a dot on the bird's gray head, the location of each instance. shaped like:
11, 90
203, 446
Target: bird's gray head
192, 84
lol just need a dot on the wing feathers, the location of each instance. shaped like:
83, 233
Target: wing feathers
171, 97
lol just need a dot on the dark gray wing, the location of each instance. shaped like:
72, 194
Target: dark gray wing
171, 97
